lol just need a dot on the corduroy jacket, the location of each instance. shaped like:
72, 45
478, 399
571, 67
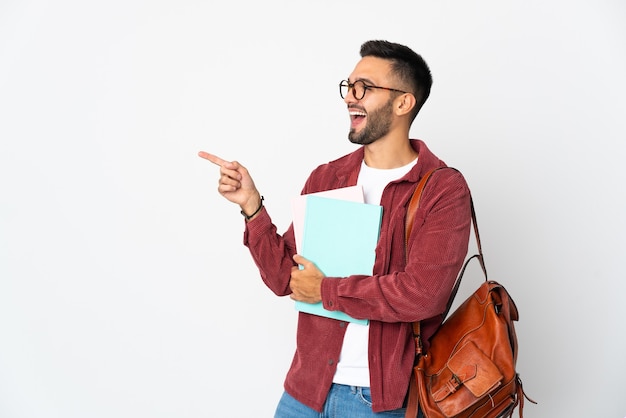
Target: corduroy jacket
409, 283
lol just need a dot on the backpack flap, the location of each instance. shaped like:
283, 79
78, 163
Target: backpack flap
468, 376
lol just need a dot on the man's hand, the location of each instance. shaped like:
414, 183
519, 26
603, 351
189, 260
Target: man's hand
235, 183
306, 284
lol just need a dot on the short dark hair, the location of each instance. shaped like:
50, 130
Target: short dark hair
409, 66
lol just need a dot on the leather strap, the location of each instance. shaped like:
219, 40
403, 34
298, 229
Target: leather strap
414, 204
410, 217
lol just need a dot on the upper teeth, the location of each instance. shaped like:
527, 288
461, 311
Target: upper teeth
356, 113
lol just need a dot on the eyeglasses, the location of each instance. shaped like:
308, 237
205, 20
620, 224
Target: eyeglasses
359, 88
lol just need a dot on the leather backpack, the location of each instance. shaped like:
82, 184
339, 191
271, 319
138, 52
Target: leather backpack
470, 367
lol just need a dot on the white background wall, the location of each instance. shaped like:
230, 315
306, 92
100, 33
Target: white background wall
125, 290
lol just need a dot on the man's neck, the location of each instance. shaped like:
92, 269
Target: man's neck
389, 152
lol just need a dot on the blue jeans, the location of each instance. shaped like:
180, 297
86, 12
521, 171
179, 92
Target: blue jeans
342, 402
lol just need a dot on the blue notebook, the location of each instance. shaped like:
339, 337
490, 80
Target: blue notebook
340, 237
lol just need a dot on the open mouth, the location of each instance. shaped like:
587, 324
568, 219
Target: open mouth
356, 117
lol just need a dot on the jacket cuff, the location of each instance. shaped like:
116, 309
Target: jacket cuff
329, 292
256, 228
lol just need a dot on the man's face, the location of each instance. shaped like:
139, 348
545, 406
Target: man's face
375, 125
372, 115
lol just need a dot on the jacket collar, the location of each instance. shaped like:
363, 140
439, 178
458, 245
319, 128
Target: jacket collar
350, 166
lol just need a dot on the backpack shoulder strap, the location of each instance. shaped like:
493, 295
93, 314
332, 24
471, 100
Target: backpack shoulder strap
410, 217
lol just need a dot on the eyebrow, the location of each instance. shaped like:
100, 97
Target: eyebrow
365, 80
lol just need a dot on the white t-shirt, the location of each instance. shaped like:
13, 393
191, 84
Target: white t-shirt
353, 366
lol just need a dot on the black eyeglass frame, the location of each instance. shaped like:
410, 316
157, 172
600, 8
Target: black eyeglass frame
350, 86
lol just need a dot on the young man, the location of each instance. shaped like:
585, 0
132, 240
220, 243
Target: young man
345, 369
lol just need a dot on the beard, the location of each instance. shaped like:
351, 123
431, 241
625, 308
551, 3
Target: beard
377, 125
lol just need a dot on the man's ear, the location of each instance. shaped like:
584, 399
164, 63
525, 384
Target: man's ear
405, 104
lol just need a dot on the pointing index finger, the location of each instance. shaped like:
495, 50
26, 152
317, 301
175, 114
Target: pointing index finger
213, 158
